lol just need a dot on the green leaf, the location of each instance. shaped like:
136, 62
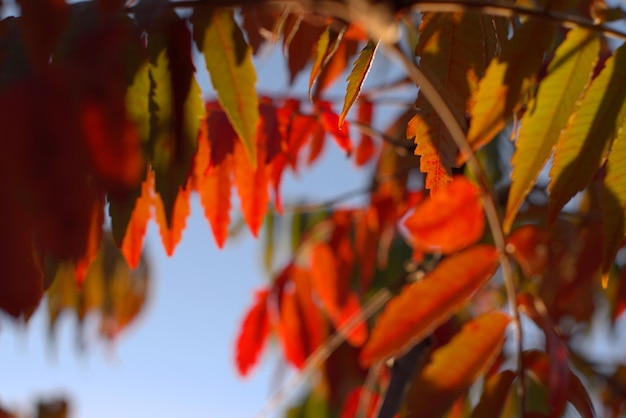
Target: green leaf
568, 74
613, 199
228, 59
171, 157
454, 49
589, 132
357, 77
508, 79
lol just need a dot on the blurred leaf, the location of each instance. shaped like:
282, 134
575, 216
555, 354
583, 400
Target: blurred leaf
494, 396
366, 150
357, 77
229, 61
253, 333
529, 246
450, 220
568, 73
327, 45
590, 130
455, 366
330, 122
300, 41
426, 304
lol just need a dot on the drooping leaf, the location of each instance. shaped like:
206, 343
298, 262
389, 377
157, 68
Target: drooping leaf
331, 288
313, 324
454, 50
568, 74
450, 220
300, 42
215, 193
507, 80
327, 45
229, 62
254, 330
455, 366
82, 264
252, 184
172, 232
330, 122
590, 130
132, 243
495, 393
366, 149
335, 66
423, 305
613, 199
360, 69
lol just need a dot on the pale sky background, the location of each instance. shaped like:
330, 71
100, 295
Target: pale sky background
178, 358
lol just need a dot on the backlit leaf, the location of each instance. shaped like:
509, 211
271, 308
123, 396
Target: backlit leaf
568, 74
455, 366
215, 193
327, 282
313, 324
454, 51
229, 62
330, 122
589, 132
507, 80
360, 69
300, 42
335, 66
327, 45
450, 220
366, 149
253, 333
172, 233
132, 243
613, 199
350, 310
426, 304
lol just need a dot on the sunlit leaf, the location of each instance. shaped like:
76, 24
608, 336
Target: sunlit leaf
454, 50
357, 77
253, 333
568, 74
590, 130
613, 199
455, 366
172, 233
507, 80
495, 393
132, 243
215, 194
335, 66
300, 42
229, 61
423, 305
331, 288
327, 45
450, 220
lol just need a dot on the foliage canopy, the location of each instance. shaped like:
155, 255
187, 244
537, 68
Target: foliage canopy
100, 110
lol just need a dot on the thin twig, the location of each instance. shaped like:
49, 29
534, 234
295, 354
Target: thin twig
324, 351
490, 206
402, 147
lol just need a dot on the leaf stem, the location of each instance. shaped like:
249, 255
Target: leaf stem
440, 106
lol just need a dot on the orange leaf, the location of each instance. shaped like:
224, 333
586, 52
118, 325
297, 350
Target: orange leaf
456, 365
132, 244
330, 123
351, 309
450, 220
367, 237
170, 236
93, 242
528, 244
253, 333
313, 325
252, 185
215, 190
426, 304
327, 282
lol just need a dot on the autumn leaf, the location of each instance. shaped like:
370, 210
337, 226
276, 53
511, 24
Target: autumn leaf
331, 288
330, 122
172, 232
507, 80
215, 194
357, 76
253, 333
327, 45
423, 305
454, 50
366, 149
529, 246
300, 41
352, 402
93, 241
229, 62
132, 243
590, 130
450, 220
455, 366
613, 200
568, 74
335, 66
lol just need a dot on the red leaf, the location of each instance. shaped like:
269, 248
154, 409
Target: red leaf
132, 244
450, 220
253, 333
170, 236
351, 404
366, 148
215, 191
350, 310
367, 237
313, 324
290, 327
221, 135
330, 123
252, 184
426, 304
529, 246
